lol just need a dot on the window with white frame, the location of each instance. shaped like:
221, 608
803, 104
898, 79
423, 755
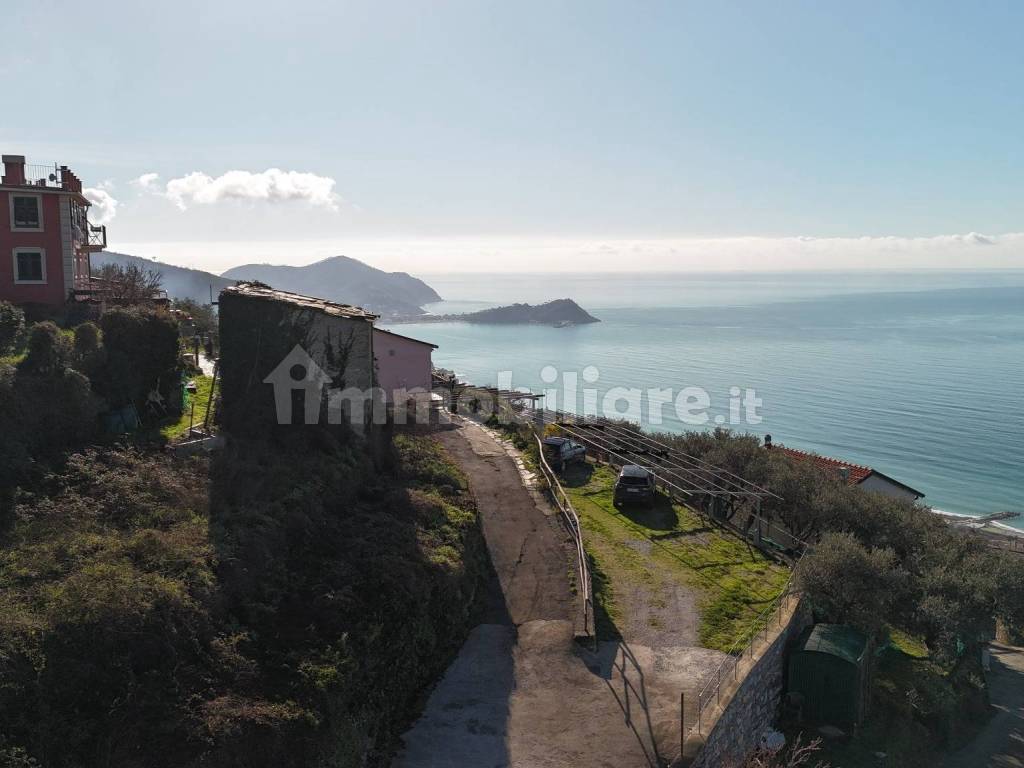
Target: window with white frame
29, 265
26, 212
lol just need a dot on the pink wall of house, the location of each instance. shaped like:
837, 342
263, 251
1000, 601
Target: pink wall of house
401, 362
63, 236
53, 291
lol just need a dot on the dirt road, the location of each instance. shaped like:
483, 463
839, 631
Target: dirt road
521, 693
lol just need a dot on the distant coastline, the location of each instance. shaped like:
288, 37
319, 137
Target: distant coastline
842, 369
559, 313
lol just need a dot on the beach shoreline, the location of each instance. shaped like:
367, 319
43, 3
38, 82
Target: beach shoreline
996, 533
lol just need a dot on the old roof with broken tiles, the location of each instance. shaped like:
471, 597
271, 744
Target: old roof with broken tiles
256, 290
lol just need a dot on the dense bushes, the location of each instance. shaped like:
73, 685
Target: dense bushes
48, 349
105, 591
141, 348
284, 606
358, 586
12, 326
900, 565
88, 353
877, 561
50, 401
45, 408
204, 319
851, 583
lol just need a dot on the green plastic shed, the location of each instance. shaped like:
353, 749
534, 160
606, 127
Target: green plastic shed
828, 668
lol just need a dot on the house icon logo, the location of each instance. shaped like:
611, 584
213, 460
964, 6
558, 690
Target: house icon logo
298, 371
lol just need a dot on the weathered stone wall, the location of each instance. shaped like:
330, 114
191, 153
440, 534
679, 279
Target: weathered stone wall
754, 704
256, 335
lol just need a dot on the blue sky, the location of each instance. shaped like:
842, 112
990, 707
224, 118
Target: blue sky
514, 122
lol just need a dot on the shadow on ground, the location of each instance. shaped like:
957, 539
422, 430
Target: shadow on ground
1000, 744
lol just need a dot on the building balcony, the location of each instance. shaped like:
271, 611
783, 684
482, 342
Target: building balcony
97, 239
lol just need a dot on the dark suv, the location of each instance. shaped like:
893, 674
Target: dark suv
559, 451
634, 484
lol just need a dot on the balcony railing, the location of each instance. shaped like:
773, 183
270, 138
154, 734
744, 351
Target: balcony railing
97, 238
43, 176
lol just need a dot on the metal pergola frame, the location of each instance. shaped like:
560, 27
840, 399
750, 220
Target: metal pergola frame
689, 474
716, 492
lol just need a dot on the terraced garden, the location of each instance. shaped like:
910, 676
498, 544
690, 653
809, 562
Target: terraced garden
655, 565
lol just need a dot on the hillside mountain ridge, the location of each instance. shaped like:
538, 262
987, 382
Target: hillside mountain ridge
337, 278
345, 280
179, 282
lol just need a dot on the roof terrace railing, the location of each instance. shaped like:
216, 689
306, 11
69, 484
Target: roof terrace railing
48, 176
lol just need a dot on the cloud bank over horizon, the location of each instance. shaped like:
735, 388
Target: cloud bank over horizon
428, 255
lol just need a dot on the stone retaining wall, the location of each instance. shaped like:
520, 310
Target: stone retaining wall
751, 705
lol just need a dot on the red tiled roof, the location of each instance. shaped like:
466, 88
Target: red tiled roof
855, 472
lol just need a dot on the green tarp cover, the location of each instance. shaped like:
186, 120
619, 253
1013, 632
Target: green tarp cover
837, 640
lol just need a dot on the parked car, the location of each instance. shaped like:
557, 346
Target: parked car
634, 484
559, 451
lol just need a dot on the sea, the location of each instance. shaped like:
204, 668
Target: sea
916, 374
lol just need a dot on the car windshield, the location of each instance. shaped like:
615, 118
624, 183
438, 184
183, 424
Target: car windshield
633, 480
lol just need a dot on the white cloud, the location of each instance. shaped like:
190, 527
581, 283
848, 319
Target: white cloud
146, 182
272, 185
104, 206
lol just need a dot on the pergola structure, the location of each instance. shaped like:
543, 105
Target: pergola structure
716, 492
458, 390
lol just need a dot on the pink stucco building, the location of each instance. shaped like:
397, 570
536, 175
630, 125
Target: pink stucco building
402, 362
45, 235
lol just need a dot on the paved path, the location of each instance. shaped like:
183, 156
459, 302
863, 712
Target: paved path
1001, 743
521, 693
524, 536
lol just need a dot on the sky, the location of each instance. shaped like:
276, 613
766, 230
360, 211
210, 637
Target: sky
494, 136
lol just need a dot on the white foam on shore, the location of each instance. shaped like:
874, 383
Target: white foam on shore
1009, 529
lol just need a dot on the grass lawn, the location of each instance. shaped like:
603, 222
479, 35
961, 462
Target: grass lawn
176, 429
641, 550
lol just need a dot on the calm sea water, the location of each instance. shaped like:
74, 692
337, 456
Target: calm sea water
916, 374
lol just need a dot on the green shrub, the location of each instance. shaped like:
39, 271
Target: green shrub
287, 610
15, 757
141, 347
88, 353
12, 326
847, 583
42, 415
48, 349
204, 319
